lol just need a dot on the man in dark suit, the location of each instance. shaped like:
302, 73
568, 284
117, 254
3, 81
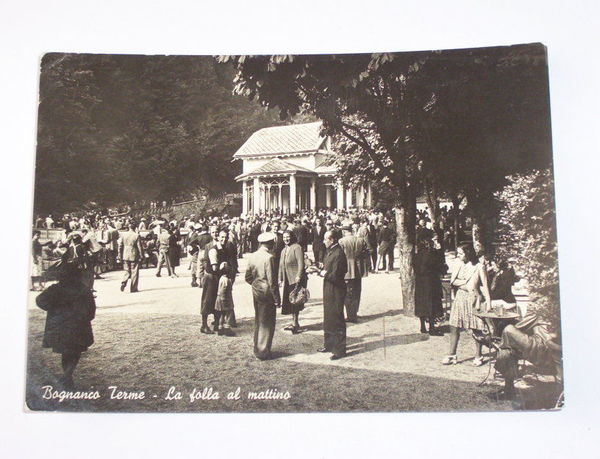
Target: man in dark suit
278, 243
334, 293
355, 250
423, 232
302, 232
316, 240
254, 232
130, 252
385, 239
392, 246
113, 245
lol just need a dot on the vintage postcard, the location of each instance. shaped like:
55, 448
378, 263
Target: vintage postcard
295, 233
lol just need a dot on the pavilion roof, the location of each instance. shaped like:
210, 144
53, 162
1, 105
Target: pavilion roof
283, 141
327, 167
276, 167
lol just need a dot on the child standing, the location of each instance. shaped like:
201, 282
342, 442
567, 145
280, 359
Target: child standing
224, 303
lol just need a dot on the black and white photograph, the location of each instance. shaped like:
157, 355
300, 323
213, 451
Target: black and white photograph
295, 233
299, 229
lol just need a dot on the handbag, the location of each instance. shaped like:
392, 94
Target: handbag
299, 296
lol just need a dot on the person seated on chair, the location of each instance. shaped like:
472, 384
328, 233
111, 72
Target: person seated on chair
529, 339
501, 283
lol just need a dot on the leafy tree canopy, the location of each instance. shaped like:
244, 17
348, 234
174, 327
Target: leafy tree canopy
467, 117
116, 129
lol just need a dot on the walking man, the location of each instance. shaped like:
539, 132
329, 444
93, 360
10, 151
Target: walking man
261, 275
163, 252
130, 252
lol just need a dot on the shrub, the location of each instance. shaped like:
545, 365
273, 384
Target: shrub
527, 235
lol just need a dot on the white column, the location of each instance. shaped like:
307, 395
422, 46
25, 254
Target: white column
313, 194
369, 203
268, 197
244, 198
328, 195
360, 196
280, 199
348, 198
292, 194
340, 196
256, 197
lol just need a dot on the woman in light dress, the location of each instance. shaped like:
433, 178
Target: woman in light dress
471, 283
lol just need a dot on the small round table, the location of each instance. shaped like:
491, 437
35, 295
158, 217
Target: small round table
492, 337
496, 323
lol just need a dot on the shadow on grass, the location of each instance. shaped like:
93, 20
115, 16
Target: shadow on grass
361, 319
143, 290
116, 306
388, 313
360, 345
154, 353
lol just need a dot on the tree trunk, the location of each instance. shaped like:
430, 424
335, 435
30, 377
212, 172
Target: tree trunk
455, 205
406, 215
480, 217
433, 204
478, 235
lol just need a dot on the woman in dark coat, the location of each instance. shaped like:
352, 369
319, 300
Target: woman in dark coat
174, 249
334, 270
429, 267
70, 308
214, 255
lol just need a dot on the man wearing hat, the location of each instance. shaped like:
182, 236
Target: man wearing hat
261, 275
130, 252
355, 250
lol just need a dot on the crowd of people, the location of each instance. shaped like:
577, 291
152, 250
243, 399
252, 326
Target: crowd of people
345, 246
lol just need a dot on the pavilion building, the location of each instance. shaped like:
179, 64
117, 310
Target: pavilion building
291, 168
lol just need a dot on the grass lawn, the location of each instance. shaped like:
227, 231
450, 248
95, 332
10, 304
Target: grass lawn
154, 352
